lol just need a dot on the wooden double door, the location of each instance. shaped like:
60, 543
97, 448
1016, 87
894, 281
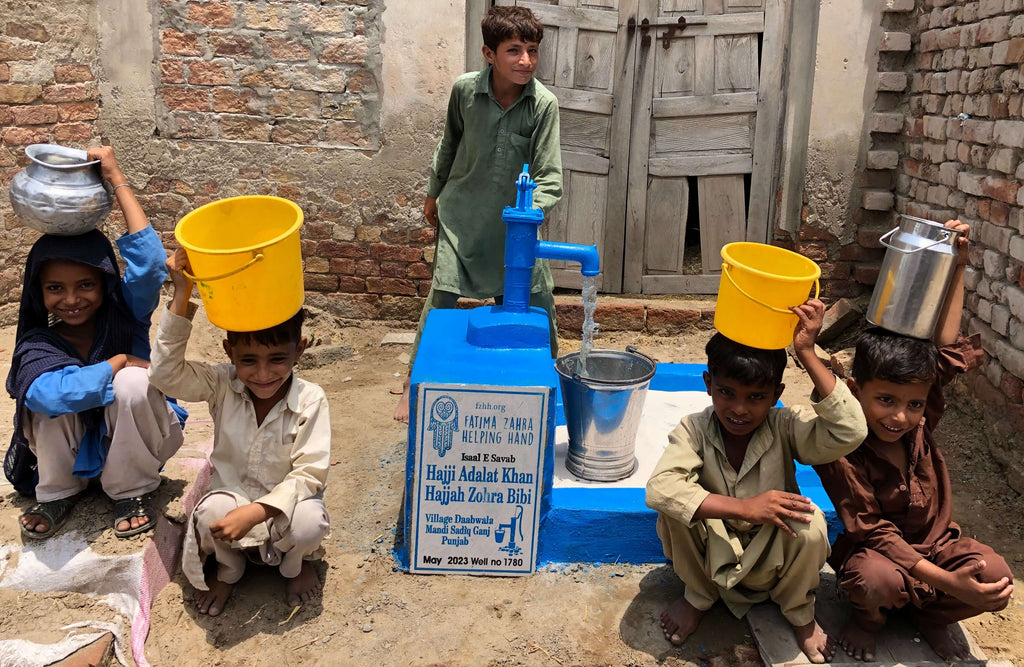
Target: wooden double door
670, 118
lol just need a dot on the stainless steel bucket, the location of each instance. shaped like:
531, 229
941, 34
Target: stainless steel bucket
919, 259
602, 411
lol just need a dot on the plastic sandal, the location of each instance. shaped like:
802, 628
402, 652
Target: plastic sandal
56, 512
126, 508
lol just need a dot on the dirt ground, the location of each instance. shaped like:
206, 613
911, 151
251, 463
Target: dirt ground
372, 614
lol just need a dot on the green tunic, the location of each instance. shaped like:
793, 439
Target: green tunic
473, 176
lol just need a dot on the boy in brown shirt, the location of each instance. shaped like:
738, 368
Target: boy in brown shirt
901, 546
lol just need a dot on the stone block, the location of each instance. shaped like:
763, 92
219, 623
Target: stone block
1000, 319
892, 82
877, 200
883, 159
1016, 249
839, 317
995, 236
935, 127
994, 29
888, 123
1014, 298
898, 41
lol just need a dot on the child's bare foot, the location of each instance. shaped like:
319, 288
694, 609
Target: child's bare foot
402, 409
816, 645
679, 620
212, 602
858, 643
942, 640
303, 587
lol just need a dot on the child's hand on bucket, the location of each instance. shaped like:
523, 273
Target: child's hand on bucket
177, 265
811, 314
961, 241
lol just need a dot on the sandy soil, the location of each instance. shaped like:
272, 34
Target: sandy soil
373, 614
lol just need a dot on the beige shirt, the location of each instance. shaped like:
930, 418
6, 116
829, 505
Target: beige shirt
695, 465
277, 463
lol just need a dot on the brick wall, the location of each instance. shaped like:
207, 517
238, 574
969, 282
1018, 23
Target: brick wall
233, 98
964, 137
48, 93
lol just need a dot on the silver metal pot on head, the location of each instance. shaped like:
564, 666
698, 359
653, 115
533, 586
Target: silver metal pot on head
60, 192
919, 259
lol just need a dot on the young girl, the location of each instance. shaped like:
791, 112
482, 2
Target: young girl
79, 373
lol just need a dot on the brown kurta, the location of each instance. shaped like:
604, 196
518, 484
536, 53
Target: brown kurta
894, 517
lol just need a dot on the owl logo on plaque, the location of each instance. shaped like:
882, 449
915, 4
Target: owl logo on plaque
444, 421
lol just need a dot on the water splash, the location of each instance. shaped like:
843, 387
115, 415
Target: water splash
589, 326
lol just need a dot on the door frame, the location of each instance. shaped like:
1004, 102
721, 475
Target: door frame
784, 110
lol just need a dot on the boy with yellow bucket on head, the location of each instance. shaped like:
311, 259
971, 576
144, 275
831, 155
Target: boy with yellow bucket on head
730, 515
271, 450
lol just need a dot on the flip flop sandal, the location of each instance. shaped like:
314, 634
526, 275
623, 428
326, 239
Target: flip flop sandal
126, 508
55, 512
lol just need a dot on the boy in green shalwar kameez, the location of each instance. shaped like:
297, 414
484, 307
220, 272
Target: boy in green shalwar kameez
498, 119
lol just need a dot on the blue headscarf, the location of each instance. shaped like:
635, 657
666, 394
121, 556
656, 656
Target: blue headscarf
38, 349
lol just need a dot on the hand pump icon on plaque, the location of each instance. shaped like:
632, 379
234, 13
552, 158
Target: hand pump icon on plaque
499, 533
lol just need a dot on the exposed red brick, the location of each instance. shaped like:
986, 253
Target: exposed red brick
244, 128
835, 270
361, 81
315, 230
274, 77
296, 131
69, 92
393, 286
400, 253
213, 14
287, 49
6, 118
72, 74
187, 99
5, 72
423, 235
355, 306
295, 103
230, 45
866, 274
207, 73
367, 267
320, 282
72, 132
73, 111
36, 114
172, 70
1000, 188
23, 136
32, 32
424, 288
10, 51
346, 132
231, 100
837, 289
176, 42
393, 269
341, 249
817, 252
350, 50
346, 265
351, 284
868, 238
418, 271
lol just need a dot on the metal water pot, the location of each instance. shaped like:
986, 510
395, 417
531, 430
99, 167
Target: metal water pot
60, 192
919, 259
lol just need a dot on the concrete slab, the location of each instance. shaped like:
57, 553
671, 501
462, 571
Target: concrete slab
399, 338
899, 644
608, 522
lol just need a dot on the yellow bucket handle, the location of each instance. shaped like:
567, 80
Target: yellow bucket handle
784, 311
256, 258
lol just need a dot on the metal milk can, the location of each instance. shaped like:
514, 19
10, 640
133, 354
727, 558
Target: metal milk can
919, 259
60, 192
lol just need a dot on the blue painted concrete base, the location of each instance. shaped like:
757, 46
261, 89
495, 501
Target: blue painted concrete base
607, 523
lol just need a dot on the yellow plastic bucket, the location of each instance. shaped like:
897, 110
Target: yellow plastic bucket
246, 260
758, 285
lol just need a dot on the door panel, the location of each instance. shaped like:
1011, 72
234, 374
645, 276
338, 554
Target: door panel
650, 125
587, 61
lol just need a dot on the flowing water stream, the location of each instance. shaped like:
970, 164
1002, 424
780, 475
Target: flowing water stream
589, 326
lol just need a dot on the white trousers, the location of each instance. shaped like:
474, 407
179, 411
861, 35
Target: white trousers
279, 542
142, 433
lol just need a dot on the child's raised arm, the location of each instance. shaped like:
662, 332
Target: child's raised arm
948, 327
177, 264
134, 216
811, 314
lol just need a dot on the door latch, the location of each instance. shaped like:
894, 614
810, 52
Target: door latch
678, 25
